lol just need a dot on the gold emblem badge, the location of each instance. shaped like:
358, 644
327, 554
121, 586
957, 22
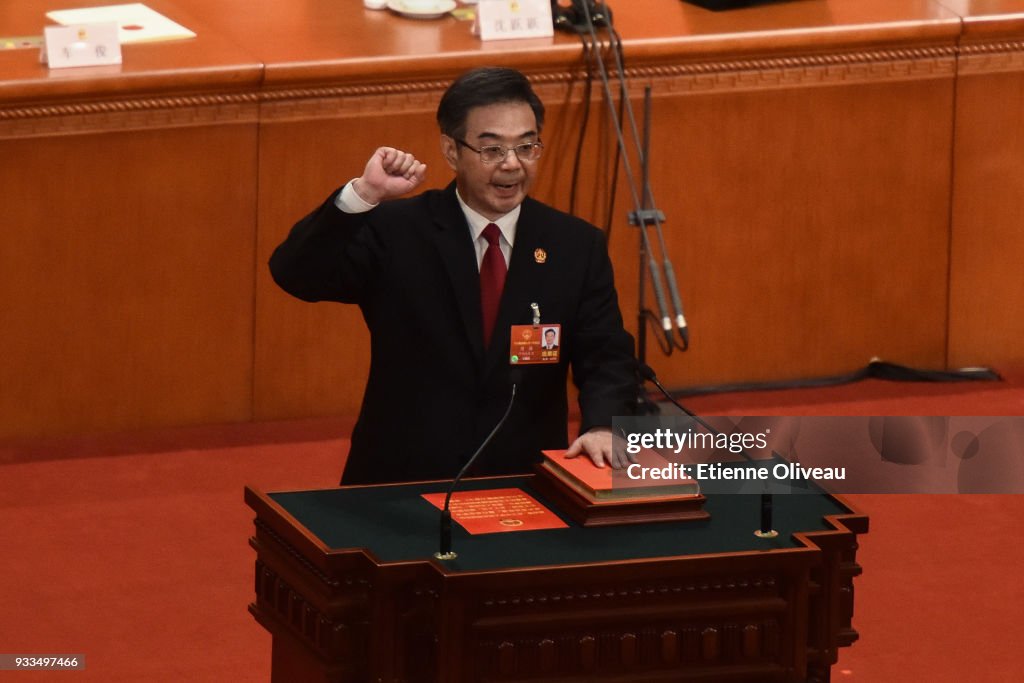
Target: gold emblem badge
540, 256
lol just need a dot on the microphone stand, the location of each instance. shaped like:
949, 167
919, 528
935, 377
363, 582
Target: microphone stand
765, 530
445, 551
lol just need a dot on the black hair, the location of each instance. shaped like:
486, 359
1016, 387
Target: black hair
481, 87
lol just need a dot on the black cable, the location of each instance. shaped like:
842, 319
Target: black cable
666, 344
627, 168
614, 186
588, 51
647, 201
583, 24
876, 369
615, 44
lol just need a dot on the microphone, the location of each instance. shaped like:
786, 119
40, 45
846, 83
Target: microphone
765, 529
647, 373
445, 551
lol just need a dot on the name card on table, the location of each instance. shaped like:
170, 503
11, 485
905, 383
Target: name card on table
503, 19
81, 45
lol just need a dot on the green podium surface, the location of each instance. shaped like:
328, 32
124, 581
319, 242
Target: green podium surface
347, 584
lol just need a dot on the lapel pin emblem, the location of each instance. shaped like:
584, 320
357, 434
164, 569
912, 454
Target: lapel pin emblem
540, 256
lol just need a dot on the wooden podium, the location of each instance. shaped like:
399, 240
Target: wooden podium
347, 585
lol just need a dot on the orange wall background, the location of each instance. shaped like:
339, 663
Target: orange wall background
841, 179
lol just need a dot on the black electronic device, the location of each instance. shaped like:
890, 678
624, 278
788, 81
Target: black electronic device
726, 4
573, 17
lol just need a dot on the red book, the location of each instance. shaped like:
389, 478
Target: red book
654, 477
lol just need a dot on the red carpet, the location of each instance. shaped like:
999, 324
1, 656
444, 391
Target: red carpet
133, 549
940, 598
141, 562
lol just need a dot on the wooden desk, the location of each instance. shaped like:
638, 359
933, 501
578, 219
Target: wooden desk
346, 584
833, 193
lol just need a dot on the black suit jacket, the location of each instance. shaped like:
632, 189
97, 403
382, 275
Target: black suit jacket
434, 392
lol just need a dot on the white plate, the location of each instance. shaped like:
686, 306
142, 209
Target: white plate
434, 10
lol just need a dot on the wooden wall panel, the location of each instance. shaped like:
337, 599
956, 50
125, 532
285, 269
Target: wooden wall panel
987, 276
126, 272
804, 155
808, 223
809, 227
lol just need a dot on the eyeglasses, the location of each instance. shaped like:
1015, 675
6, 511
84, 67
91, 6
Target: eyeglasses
495, 154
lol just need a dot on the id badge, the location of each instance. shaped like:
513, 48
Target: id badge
535, 344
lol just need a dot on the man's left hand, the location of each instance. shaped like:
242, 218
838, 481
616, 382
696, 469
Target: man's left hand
603, 448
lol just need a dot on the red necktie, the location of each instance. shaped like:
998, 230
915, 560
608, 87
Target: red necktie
492, 279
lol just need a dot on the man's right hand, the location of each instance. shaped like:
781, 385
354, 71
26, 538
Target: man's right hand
388, 174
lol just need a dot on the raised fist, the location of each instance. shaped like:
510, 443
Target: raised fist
388, 174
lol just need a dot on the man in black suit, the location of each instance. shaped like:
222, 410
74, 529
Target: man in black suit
420, 271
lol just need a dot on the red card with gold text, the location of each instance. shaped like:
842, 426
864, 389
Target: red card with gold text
497, 510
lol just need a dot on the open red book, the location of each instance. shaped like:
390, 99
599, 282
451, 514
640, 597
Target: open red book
496, 510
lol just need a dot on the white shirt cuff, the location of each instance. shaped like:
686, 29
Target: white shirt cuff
349, 201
